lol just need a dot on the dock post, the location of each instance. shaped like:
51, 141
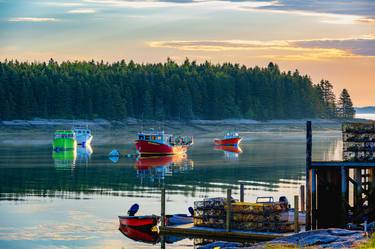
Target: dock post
302, 194
229, 210
162, 211
296, 209
242, 192
308, 170
344, 194
313, 199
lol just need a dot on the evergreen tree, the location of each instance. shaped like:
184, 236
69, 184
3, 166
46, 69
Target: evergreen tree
345, 106
328, 98
160, 91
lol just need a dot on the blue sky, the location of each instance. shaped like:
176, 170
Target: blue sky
332, 39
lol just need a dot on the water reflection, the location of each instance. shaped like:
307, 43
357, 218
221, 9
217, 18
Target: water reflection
155, 169
64, 159
84, 154
230, 152
68, 159
149, 237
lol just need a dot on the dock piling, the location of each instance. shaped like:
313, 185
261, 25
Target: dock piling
308, 174
302, 194
242, 192
296, 209
162, 211
229, 210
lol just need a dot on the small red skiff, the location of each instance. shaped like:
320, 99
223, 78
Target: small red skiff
159, 143
141, 222
230, 139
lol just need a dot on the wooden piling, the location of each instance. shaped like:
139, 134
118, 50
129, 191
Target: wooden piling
313, 203
302, 195
308, 172
296, 209
344, 194
242, 192
229, 210
162, 211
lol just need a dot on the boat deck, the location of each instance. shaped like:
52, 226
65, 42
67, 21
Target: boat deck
190, 230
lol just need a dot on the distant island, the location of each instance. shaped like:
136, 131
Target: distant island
365, 110
163, 91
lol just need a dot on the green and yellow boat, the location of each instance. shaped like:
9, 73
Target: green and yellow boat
64, 140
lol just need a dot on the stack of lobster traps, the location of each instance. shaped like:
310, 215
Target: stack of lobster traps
359, 141
263, 216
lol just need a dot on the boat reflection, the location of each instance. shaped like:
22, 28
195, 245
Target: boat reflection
64, 159
84, 154
156, 168
151, 237
230, 152
69, 159
147, 236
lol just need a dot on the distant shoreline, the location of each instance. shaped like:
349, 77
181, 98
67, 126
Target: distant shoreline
37, 122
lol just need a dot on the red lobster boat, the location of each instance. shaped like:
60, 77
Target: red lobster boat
159, 143
230, 139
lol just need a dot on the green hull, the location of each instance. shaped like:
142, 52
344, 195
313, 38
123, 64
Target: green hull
64, 144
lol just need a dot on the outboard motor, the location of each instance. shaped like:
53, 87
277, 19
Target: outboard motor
284, 202
133, 209
191, 211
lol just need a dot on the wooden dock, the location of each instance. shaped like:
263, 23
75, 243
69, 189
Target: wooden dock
190, 230
341, 192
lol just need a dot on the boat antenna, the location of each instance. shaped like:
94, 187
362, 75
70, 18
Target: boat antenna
142, 122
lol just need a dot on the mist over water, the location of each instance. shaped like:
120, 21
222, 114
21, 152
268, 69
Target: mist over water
54, 201
370, 116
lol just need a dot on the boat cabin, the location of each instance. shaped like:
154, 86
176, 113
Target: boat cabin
64, 134
231, 135
162, 138
158, 137
79, 131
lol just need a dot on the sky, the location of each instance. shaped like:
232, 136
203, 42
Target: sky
325, 39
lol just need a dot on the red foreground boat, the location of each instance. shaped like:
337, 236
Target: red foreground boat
230, 139
141, 222
159, 143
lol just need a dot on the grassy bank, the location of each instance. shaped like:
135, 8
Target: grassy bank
370, 244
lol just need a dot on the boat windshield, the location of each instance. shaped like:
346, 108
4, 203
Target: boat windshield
231, 135
180, 140
64, 135
151, 137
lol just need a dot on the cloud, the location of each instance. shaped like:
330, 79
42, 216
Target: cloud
330, 11
64, 4
364, 46
33, 19
315, 49
339, 7
184, 3
81, 11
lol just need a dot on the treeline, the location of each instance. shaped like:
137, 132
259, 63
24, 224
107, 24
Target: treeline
159, 91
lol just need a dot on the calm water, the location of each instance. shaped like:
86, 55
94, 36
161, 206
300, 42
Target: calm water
72, 201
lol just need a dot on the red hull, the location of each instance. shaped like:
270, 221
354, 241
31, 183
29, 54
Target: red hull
153, 148
139, 221
229, 141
